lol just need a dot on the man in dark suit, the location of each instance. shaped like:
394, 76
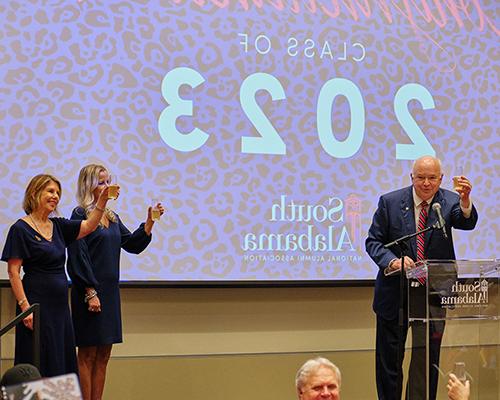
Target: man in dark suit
399, 214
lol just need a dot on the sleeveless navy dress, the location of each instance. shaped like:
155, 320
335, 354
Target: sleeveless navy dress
45, 282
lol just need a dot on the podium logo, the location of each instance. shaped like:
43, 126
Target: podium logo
467, 294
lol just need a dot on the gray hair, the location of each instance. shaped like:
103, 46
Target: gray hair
311, 366
424, 159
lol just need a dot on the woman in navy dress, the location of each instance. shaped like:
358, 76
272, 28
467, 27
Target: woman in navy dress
94, 268
37, 243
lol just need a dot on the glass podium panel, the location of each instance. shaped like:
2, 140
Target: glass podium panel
455, 305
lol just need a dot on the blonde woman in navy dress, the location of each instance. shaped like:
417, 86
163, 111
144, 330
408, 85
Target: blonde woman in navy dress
94, 268
37, 244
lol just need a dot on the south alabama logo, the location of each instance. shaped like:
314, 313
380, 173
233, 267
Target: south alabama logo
318, 227
467, 294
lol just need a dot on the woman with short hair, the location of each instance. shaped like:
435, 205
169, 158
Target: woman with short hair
37, 244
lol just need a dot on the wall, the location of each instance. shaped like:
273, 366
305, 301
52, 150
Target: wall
247, 343
234, 343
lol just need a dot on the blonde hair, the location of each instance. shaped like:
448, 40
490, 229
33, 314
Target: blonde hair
88, 180
34, 191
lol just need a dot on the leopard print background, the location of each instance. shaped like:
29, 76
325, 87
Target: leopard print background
81, 82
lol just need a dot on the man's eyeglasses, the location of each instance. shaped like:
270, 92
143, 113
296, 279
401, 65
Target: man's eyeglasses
431, 179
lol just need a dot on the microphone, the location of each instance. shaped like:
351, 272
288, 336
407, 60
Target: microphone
441, 222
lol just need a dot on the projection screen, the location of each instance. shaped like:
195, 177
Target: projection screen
267, 128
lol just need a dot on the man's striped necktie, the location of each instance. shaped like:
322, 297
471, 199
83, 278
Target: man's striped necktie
422, 219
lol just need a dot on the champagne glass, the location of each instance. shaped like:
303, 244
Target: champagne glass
113, 187
155, 211
458, 173
459, 371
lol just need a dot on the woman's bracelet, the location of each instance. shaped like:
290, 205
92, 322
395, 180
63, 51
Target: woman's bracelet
22, 301
90, 295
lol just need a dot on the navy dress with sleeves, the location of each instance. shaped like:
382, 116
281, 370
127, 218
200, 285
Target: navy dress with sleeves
94, 261
45, 282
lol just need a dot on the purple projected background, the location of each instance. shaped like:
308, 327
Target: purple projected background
82, 82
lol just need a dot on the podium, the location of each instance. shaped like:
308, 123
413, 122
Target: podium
460, 299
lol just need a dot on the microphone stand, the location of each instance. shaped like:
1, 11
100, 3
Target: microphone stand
401, 243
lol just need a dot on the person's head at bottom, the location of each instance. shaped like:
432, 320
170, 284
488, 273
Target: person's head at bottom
20, 373
318, 379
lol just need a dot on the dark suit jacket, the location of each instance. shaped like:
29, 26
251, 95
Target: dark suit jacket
395, 217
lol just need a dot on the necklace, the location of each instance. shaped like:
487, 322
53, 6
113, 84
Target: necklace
47, 237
